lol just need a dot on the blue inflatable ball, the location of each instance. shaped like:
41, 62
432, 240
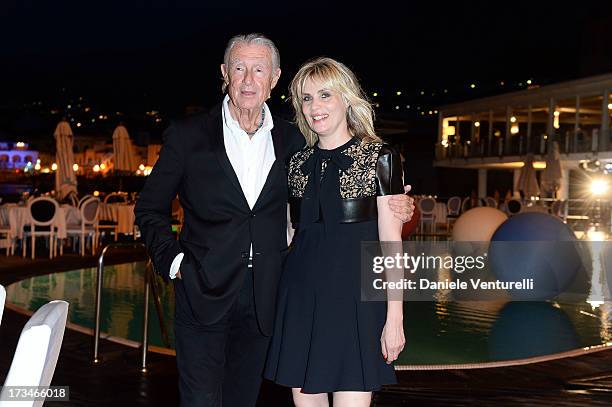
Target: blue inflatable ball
538, 248
528, 329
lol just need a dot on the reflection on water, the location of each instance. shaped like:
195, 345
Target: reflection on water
484, 331
443, 332
122, 299
525, 329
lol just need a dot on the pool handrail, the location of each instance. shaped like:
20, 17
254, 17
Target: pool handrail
151, 284
149, 278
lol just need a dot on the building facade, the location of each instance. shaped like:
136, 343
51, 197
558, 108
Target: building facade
16, 156
498, 132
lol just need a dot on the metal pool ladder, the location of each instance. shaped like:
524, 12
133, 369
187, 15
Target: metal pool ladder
150, 284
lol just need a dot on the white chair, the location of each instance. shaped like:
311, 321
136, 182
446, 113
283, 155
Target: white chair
467, 204
6, 239
426, 207
73, 199
116, 197
88, 225
37, 350
2, 300
453, 207
558, 208
514, 207
464, 204
83, 199
491, 202
42, 213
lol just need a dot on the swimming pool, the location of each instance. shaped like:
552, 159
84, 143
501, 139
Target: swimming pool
122, 300
438, 334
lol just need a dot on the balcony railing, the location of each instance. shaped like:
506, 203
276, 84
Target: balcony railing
517, 145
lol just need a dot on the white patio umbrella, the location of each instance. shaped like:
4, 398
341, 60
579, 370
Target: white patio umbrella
123, 151
65, 179
551, 176
528, 183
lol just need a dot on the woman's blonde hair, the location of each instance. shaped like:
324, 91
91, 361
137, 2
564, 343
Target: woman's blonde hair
336, 76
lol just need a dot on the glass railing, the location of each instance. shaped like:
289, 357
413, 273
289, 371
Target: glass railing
518, 145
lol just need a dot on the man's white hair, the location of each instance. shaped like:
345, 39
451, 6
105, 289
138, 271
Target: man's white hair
249, 39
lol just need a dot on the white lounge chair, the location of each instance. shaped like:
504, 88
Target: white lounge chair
37, 351
2, 300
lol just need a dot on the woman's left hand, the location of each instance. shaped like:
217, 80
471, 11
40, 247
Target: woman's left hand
392, 340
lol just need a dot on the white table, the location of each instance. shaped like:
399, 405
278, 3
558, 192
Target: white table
121, 213
4, 213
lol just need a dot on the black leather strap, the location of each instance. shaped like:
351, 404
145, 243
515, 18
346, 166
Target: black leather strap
359, 209
353, 210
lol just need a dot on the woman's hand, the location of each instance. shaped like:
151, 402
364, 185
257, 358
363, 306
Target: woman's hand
392, 339
402, 205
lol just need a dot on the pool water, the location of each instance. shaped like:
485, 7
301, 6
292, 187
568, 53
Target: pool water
436, 332
122, 300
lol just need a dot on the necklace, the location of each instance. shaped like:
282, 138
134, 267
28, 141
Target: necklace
263, 115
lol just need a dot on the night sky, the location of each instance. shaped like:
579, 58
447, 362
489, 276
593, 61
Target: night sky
166, 55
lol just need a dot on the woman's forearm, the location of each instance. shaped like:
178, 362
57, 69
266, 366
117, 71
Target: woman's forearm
395, 310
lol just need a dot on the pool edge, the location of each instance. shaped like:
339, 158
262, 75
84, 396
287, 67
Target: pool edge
103, 335
480, 365
513, 362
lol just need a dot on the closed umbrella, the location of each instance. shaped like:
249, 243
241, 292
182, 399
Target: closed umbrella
65, 179
123, 151
528, 183
551, 176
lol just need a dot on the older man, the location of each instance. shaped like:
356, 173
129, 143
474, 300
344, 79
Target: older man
229, 168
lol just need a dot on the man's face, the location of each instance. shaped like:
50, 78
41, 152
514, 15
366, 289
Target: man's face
249, 76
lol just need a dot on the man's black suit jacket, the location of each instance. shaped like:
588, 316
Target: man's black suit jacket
218, 225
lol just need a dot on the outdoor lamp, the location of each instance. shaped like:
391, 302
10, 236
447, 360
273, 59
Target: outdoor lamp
599, 187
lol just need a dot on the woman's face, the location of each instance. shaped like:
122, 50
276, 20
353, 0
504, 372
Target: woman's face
324, 109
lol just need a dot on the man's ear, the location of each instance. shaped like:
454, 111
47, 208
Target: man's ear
224, 73
275, 78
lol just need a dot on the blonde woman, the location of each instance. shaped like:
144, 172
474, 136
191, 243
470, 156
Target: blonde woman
326, 340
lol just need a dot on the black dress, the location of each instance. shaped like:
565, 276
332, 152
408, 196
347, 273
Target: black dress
325, 338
